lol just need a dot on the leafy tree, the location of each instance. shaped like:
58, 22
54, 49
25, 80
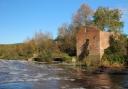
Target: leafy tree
117, 46
108, 19
117, 50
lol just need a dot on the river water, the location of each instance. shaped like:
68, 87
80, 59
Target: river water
26, 75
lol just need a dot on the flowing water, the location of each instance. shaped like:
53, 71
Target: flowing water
26, 75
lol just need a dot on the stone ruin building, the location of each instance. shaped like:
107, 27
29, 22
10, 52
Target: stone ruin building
91, 43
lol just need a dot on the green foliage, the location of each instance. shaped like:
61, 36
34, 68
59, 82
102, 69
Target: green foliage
117, 50
66, 57
42, 45
108, 19
46, 56
9, 51
117, 45
113, 58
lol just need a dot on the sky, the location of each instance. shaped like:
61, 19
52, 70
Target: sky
20, 19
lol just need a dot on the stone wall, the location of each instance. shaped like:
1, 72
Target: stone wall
104, 41
98, 41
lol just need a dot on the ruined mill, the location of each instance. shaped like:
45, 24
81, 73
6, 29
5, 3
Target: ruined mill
91, 43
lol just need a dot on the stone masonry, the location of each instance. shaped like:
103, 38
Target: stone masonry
98, 41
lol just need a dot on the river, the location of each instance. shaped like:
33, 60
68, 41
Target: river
16, 74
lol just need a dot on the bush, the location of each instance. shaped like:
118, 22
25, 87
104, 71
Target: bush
116, 52
114, 58
67, 58
62, 55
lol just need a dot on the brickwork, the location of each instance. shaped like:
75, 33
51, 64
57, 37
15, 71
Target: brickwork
98, 41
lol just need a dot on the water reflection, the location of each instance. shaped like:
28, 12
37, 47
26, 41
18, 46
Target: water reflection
102, 81
24, 75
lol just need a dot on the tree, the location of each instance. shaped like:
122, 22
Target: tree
117, 51
67, 33
43, 46
67, 39
108, 19
83, 16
